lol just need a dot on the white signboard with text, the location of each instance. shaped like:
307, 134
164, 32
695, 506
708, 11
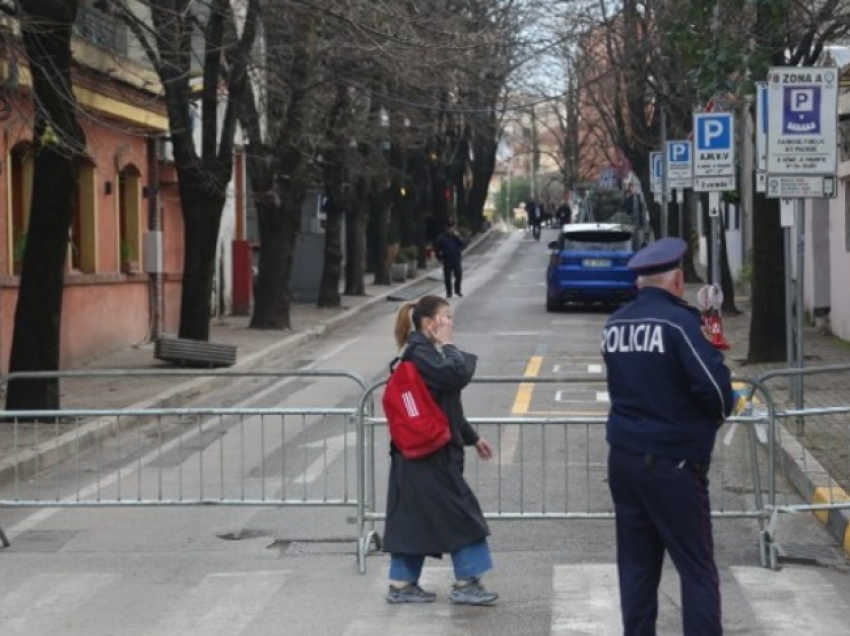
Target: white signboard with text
679, 164
802, 125
801, 187
714, 150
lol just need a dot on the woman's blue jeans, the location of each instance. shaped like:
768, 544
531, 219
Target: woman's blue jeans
470, 561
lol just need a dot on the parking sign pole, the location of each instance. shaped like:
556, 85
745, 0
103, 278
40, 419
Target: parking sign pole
664, 165
680, 200
801, 254
789, 310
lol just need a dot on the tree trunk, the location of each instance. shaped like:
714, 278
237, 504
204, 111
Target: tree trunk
767, 324
58, 142
355, 242
335, 169
688, 217
379, 207
273, 296
329, 295
202, 208
483, 164
727, 285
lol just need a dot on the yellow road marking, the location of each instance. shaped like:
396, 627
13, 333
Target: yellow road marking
526, 389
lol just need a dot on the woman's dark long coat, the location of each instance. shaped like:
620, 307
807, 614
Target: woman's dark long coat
430, 507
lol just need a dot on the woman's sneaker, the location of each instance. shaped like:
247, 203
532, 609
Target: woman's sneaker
410, 594
472, 593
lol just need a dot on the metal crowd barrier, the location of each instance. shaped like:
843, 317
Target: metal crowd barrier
555, 467
548, 466
816, 472
183, 456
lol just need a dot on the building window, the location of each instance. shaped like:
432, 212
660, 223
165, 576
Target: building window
20, 199
83, 234
129, 219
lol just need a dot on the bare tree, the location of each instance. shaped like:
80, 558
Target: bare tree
58, 144
168, 31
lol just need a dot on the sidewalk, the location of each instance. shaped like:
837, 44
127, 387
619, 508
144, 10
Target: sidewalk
825, 446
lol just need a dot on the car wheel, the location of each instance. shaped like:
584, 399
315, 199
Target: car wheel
552, 304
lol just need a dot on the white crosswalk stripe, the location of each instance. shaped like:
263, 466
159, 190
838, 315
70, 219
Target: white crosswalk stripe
583, 600
221, 604
42, 604
429, 619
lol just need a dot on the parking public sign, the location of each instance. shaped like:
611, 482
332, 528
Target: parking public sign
714, 151
679, 164
802, 126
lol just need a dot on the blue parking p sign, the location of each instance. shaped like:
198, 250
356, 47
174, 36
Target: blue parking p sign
714, 148
679, 165
714, 132
679, 152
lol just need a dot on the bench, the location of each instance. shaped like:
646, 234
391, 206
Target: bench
195, 353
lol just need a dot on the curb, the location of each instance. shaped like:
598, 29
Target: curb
815, 486
64, 446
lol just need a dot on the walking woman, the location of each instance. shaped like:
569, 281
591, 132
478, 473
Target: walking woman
431, 510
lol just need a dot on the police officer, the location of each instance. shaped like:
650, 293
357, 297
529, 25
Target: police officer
670, 391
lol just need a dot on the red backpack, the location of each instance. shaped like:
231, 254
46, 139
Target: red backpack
418, 426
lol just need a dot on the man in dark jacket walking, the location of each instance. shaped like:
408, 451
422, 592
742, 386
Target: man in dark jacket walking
670, 390
449, 250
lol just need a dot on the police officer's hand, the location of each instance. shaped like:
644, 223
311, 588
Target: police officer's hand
485, 451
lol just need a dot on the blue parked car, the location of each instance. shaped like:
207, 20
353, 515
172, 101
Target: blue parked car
589, 264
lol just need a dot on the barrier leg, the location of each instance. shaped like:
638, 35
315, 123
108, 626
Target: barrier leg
3, 539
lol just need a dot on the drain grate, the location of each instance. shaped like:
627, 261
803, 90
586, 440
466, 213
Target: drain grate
308, 547
241, 534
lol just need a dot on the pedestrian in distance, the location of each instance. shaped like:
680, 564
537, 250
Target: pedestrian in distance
431, 510
532, 212
670, 390
563, 214
449, 251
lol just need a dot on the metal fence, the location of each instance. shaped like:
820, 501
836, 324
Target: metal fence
547, 465
811, 442
294, 456
554, 467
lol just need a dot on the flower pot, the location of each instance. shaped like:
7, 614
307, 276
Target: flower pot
398, 272
411, 269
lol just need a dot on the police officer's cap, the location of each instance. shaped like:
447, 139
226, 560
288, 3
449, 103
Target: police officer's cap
660, 256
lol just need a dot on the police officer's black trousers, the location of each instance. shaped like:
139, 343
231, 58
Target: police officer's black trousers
662, 505
452, 269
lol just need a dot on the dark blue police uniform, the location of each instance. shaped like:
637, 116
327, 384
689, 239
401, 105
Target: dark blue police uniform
670, 391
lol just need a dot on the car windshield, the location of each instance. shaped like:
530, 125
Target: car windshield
594, 241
